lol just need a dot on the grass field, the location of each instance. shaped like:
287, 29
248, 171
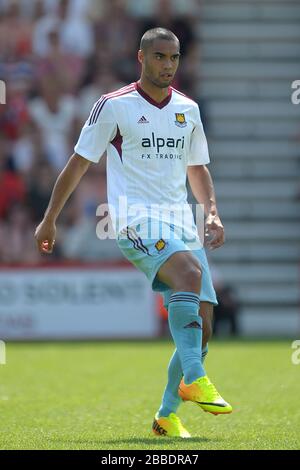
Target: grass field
104, 396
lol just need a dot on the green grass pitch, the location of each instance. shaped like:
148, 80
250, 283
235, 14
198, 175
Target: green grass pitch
104, 395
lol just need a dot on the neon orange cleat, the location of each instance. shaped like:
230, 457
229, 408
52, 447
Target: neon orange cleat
205, 394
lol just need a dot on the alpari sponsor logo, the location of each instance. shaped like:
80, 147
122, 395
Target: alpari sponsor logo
160, 142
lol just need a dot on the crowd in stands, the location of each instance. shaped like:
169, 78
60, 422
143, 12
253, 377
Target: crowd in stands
57, 57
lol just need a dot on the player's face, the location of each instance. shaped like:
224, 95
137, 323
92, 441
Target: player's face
160, 62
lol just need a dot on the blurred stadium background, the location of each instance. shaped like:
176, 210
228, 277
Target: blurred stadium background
57, 57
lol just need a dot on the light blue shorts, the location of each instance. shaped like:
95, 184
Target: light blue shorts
149, 254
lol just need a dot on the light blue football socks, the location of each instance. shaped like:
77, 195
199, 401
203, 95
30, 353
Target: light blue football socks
186, 329
171, 400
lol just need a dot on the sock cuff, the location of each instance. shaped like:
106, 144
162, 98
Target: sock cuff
185, 297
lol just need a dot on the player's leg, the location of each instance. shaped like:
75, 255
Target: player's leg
202, 391
171, 400
149, 256
166, 419
172, 265
182, 273
206, 312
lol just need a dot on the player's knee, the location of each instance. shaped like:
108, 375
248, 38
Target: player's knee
190, 279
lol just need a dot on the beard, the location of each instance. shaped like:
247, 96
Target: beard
160, 82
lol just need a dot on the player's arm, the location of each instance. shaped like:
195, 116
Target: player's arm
202, 186
65, 184
97, 132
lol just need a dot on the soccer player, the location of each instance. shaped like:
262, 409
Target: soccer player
154, 139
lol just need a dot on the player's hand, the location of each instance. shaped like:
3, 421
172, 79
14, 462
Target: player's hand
214, 232
45, 236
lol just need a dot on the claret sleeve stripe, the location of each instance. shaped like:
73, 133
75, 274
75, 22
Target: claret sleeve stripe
100, 103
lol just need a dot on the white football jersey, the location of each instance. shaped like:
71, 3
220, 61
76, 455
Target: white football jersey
149, 146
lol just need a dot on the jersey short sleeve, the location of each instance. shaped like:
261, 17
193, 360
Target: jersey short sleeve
198, 154
98, 131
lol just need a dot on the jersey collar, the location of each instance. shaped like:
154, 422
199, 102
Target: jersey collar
160, 105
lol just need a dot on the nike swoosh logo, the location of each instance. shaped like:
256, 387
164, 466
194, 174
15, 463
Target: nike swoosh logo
221, 405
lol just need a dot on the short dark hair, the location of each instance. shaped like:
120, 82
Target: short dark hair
156, 33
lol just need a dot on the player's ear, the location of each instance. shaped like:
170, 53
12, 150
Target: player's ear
140, 56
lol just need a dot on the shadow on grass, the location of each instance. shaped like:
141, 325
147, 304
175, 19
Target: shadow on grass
159, 441
142, 441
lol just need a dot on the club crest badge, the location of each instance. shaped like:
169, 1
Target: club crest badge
160, 245
180, 120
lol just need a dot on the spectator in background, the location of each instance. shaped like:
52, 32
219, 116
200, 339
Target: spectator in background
67, 68
145, 8
25, 151
54, 114
12, 186
75, 32
15, 125
116, 31
15, 33
39, 190
18, 230
14, 116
